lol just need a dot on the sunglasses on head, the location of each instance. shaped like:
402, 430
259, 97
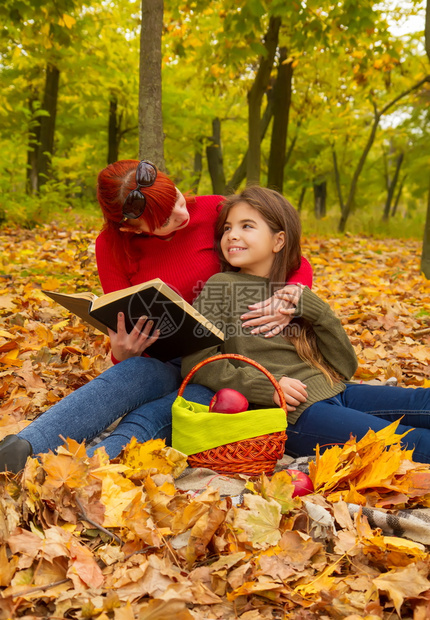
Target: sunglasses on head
135, 203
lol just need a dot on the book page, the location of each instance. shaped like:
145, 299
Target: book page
104, 300
80, 304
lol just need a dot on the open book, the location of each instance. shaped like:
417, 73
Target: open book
183, 330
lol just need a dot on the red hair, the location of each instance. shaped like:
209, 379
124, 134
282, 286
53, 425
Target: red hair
117, 180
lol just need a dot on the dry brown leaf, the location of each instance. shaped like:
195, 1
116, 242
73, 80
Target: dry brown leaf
403, 583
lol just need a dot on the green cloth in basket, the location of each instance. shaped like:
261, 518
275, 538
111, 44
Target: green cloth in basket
195, 428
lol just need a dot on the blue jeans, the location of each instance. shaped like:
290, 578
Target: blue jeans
356, 410
150, 421
133, 388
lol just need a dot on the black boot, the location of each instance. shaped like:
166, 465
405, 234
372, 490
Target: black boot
14, 452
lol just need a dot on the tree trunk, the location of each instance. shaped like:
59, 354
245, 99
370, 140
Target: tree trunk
114, 131
320, 195
291, 147
377, 116
240, 172
47, 125
386, 169
197, 172
255, 96
281, 112
215, 160
353, 188
32, 152
391, 187
151, 137
425, 257
399, 193
301, 199
337, 179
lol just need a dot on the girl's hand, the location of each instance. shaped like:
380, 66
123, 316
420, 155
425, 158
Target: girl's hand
294, 392
271, 316
126, 345
290, 295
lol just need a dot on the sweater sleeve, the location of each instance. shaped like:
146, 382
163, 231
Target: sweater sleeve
112, 277
332, 340
225, 373
303, 275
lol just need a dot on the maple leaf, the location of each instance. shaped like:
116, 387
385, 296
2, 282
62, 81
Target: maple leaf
393, 551
9, 511
260, 524
297, 550
351, 495
185, 519
280, 488
7, 567
63, 469
418, 482
202, 532
324, 468
117, 493
159, 498
342, 516
27, 543
261, 586
402, 584
138, 519
152, 456
324, 581
277, 568
376, 463
83, 568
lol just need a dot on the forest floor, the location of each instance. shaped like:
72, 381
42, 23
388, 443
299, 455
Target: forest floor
165, 553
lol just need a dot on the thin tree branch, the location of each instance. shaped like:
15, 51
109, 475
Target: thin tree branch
49, 586
403, 94
84, 516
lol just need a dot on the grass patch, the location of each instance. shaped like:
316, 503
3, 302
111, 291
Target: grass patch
365, 224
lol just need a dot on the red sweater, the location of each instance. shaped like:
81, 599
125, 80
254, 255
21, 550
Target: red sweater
185, 262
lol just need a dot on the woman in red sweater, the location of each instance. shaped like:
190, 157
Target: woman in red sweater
151, 231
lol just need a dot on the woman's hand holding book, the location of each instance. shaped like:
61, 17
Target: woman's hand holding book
133, 344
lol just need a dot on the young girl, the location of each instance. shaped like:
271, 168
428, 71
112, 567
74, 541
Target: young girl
258, 239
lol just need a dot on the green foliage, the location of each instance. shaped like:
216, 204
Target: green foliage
345, 61
57, 201
407, 224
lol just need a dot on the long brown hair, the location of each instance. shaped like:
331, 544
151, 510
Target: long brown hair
279, 215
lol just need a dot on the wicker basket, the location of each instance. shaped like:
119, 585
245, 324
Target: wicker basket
249, 456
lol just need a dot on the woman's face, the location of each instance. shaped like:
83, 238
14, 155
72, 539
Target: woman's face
178, 219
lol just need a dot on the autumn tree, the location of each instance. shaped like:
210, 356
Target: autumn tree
377, 115
425, 257
42, 38
150, 114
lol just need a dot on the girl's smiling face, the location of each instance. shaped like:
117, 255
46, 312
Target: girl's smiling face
178, 219
248, 242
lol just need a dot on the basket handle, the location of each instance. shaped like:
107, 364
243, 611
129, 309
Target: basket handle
236, 356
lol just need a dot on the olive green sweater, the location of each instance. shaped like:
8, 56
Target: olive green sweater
224, 298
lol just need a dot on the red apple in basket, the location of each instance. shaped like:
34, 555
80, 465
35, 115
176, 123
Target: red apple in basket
302, 483
228, 401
